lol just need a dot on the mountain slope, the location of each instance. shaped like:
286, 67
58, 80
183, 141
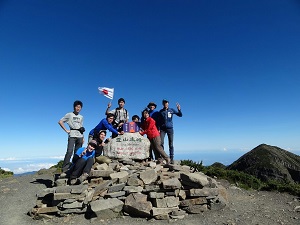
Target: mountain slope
269, 162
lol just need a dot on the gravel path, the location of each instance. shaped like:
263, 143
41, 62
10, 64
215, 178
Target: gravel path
18, 196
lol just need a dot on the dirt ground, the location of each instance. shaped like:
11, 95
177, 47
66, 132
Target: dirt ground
18, 196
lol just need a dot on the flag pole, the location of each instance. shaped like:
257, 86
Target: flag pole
111, 97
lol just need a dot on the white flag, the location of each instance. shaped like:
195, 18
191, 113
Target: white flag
107, 92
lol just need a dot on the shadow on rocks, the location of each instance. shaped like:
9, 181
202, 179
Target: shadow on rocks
48, 183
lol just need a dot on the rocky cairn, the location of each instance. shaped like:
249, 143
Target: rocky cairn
131, 186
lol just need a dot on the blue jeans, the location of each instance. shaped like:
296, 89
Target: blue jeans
74, 144
170, 134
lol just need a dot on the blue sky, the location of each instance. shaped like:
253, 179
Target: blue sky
232, 65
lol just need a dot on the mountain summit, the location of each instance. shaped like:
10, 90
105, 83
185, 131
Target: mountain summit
269, 162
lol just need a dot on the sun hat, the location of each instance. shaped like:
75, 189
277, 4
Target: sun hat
150, 104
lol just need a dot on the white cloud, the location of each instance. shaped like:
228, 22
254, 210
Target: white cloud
32, 167
23, 165
30, 159
56, 157
6, 169
8, 159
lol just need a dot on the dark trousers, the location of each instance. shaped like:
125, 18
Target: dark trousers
74, 144
81, 166
170, 134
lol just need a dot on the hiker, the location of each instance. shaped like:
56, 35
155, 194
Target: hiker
121, 115
100, 139
166, 126
136, 119
149, 128
101, 142
153, 113
83, 161
75, 133
105, 124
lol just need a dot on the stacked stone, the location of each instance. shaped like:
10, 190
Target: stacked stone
138, 189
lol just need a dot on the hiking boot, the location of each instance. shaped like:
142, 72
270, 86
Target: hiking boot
73, 181
168, 161
172, 160
83, 177
63, 175
159, 161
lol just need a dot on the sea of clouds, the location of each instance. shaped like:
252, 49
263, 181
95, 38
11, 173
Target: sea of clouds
24, 165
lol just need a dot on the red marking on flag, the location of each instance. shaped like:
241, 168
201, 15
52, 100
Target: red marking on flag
105, 91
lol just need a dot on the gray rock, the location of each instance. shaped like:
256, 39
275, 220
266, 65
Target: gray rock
148, 176
107, 208
204, 192
72, 205
173, 183
116, 188
196, 209
136, 204
197, 180
162, 211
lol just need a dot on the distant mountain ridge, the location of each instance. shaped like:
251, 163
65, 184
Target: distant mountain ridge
269, 162
24, 174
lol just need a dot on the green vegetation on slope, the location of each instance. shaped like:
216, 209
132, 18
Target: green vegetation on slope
58, 166
269, 163
4, 174
242, 179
